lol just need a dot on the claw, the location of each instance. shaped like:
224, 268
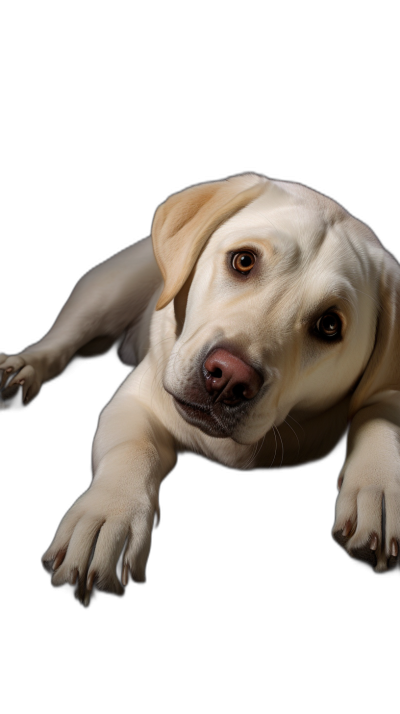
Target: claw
58, 560
373, 542
89, 588
125, 575
90, 580
393, 562
347, 528
342, 536
86, 600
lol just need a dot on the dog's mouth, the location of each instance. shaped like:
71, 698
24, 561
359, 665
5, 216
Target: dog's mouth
213, 419
218, 391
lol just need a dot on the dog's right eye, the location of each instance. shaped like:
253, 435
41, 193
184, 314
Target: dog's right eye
244, 261
329, 326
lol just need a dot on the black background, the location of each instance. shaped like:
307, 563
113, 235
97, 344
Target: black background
94, 143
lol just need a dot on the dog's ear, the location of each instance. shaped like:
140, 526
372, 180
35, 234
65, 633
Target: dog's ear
185, 221
382, 373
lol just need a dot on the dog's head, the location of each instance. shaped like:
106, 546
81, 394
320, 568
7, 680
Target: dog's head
283, 301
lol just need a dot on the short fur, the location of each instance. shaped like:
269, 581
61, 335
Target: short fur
177, 299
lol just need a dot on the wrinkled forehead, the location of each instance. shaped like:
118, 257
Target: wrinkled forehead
299, 229
283, 218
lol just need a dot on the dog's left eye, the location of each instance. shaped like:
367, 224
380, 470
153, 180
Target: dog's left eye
243, 261
329, 326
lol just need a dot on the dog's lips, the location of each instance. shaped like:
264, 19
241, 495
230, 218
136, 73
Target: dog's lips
201, 416
192, 411
196, 409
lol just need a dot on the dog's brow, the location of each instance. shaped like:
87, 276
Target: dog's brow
240, 238
332, 297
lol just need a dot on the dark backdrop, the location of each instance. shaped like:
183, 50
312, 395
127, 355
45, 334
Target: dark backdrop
88, 158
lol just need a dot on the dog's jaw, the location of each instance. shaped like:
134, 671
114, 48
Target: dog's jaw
207, 419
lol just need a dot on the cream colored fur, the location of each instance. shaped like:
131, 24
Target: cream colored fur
312, 256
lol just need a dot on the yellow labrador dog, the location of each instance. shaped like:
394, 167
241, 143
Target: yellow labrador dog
262, 318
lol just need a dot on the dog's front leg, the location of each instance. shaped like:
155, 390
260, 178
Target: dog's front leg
132, 453
102, 304
368, 506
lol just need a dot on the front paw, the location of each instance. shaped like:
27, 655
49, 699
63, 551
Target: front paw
22, 369
367, 522
90, 539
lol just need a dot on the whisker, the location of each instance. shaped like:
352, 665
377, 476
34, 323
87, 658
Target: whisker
276, 445
283, 450
296, 422
298, 441
254, 452
248, 462
257, 450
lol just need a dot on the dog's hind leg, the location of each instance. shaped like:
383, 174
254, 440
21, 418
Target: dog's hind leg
104, 302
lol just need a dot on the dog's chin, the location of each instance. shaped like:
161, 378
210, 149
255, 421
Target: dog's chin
203, 418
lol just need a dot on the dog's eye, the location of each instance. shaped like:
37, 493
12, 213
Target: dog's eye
329, 326
244, 261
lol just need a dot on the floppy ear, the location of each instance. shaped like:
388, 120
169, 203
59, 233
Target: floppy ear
383, 369
185, 221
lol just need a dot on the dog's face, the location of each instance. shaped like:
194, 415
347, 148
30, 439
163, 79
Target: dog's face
278, 313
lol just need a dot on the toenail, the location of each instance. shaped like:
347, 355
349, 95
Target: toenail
374, 542
125, 572
346, 529
90, 579
58, 560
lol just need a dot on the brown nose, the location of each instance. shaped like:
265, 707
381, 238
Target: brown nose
229, 379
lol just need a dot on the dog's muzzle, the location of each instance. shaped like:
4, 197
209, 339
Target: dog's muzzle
220, 395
